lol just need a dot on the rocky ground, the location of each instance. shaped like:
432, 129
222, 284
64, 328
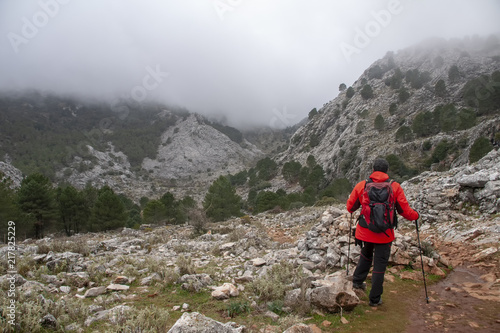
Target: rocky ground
94, 282
272, 272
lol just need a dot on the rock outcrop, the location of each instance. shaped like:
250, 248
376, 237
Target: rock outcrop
343, 136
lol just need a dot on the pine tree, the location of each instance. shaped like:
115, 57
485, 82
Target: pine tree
154, 212
73, 213
291, 171
8, 208
36, 200
221, 201
108, 212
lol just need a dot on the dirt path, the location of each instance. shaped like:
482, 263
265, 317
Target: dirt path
467, 300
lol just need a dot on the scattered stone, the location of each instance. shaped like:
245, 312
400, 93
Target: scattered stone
272, 315
314, 328
121, 280
117, 287
343, 320
65, 289
225, 291
485, 253
49, 321
96, 291
257, 262
195, 282
299, 328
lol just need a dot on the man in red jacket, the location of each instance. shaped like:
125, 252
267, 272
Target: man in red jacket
376, 243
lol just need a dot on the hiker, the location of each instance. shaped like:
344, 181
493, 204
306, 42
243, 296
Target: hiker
376, 240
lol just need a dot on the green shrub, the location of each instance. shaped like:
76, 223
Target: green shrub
480, 148
441, 151
291, 171
363, 114
375, 72
404, 134
396, 79
466, 119
440, 88
393, 108
398, 169
314, 140
312, 113
379, 123
350, 92
147, 320
403, 95
483, 93
266, 200
339, 189
276, 307
416, 78
453, 73
367, 92
424, 124
276, 282
360, 127
237, 307
185, 265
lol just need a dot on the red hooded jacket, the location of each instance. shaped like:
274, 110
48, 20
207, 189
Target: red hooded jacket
402, 207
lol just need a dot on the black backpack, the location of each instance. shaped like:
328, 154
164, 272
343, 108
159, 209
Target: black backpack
378, 207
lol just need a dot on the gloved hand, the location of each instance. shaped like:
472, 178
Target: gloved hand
358, 242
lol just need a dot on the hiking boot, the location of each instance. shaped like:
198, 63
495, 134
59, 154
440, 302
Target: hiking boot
361, 286
376, 304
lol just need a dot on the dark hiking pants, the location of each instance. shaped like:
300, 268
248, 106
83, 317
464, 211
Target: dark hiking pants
380, 259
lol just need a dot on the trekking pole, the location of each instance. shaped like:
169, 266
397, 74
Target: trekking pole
422, 261
349, 246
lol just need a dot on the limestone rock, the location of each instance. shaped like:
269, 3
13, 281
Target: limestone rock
194, 322
49, 322
96, 291
117, 287
225, 291
299, 328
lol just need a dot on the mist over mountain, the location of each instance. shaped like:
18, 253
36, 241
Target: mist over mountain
255, 62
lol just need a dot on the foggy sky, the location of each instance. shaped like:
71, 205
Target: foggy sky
256, 62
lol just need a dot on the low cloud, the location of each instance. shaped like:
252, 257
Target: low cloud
248, 60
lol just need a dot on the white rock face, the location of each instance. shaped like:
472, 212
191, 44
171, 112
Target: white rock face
192, 147
345, 139
11, 172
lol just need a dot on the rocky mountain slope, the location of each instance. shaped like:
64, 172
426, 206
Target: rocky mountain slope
108, 281
138, 150
192, 147
400, 106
